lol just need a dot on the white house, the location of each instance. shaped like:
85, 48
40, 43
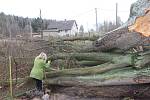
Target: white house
61, 28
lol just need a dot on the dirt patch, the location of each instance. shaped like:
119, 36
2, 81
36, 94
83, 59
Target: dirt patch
133, 91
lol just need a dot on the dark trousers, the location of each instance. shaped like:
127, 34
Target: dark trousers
38, 84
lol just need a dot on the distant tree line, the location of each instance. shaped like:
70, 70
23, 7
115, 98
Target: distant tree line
11, 26
109, 25
104, 27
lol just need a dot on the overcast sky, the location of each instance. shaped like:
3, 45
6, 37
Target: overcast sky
80, 10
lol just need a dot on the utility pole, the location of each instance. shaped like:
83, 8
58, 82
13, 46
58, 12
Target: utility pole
116, 14
10, 61
41, 32
30, 27
96, 19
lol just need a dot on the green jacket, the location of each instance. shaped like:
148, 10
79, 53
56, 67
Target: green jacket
37, 71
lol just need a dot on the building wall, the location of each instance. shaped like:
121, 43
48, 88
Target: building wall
74, 29
48, 33
64, 33
72, 32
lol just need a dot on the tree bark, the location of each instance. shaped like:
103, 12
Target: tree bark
103, 57
87, 71
74, 81
90, 63
81, 38
143, 62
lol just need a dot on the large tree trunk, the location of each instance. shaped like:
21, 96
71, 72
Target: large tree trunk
86, 71
100, 56
76, 81
89, 63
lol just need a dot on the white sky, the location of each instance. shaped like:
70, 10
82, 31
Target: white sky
80, 10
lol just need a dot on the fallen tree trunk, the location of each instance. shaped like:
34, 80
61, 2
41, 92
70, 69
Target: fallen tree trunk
80, 38
103, 57
116, 89
86, 71
75, 81
92, 59
74, 63
83, 56
90, 63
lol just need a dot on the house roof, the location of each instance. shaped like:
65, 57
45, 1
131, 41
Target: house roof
61, 25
